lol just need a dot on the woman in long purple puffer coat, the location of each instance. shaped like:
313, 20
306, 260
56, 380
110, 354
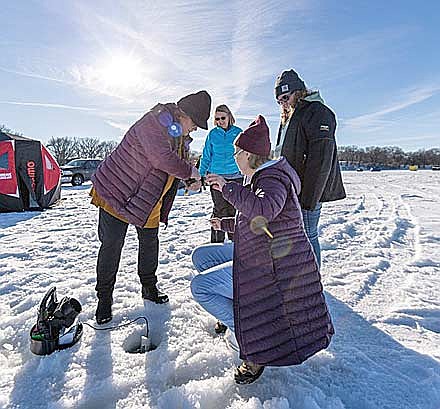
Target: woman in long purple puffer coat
265, 286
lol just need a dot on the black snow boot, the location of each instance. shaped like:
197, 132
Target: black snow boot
220, 328
104, 310
151, 293
247, 373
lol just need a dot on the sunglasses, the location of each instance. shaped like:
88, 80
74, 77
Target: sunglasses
238, 152
222, 118
283, 98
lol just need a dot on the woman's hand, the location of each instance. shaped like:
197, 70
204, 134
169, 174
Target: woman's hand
216, 181
216, 223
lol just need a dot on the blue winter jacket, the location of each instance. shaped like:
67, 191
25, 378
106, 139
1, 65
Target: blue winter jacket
218, 153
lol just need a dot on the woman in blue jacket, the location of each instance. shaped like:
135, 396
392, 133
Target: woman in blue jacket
218, 158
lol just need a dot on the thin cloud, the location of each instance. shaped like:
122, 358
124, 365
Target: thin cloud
227, 59
35, 75
353, 54
377, 120
119, 125
74, 81
234, 51
47, 105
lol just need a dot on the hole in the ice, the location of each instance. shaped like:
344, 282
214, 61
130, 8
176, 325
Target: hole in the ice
138, 343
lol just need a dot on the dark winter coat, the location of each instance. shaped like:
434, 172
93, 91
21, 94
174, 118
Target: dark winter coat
132, 179
280, 314
310, 147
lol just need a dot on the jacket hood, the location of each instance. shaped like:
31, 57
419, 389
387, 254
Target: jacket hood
284, 171
314, 97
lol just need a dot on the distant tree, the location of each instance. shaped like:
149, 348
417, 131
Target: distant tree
64, 149
433, 156
359, 156
374, 155
343, 153
388, 156
417, 158
4, 128
350, 154
89, 147
107, 147
395, 156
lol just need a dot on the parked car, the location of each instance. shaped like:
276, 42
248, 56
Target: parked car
78, 171
375, 169
359, 169
435, 167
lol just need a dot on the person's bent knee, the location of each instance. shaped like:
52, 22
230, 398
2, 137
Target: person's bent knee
197, 286
195, 257
198, 256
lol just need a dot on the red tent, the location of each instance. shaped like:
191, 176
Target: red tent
29, 175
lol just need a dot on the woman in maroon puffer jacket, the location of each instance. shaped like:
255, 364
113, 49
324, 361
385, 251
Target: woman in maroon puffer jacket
267, 288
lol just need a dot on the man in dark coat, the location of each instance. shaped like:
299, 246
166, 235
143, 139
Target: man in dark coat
267, 288
137, 184
306, 138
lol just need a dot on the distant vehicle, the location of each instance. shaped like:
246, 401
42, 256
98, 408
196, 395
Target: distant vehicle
435, 167
375, 169
413, 167
359, 169
78, 171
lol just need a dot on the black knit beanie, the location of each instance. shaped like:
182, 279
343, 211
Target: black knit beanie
198, 107
288, 81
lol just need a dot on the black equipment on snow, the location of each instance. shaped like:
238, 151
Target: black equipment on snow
57, 324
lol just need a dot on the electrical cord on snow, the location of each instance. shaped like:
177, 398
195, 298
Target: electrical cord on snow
120, 325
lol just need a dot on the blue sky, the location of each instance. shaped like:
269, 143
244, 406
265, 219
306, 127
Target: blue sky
91, 68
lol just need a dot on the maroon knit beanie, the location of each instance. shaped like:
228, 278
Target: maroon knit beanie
255, 139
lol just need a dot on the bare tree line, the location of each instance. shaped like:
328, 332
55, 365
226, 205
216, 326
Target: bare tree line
387, 157
65, 149
5, 129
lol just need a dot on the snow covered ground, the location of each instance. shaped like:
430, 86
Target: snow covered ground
381, 265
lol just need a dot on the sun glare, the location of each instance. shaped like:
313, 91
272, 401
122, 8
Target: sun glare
120, 71
120, 74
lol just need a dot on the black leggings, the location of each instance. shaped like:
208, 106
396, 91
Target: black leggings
111, 233
222, 208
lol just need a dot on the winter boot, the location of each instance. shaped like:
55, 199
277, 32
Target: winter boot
104, 310
151, 293
247, 373
220, 328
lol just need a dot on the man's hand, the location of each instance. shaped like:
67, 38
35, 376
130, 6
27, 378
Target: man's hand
195, 174
216, 181
216, 223
194, 186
